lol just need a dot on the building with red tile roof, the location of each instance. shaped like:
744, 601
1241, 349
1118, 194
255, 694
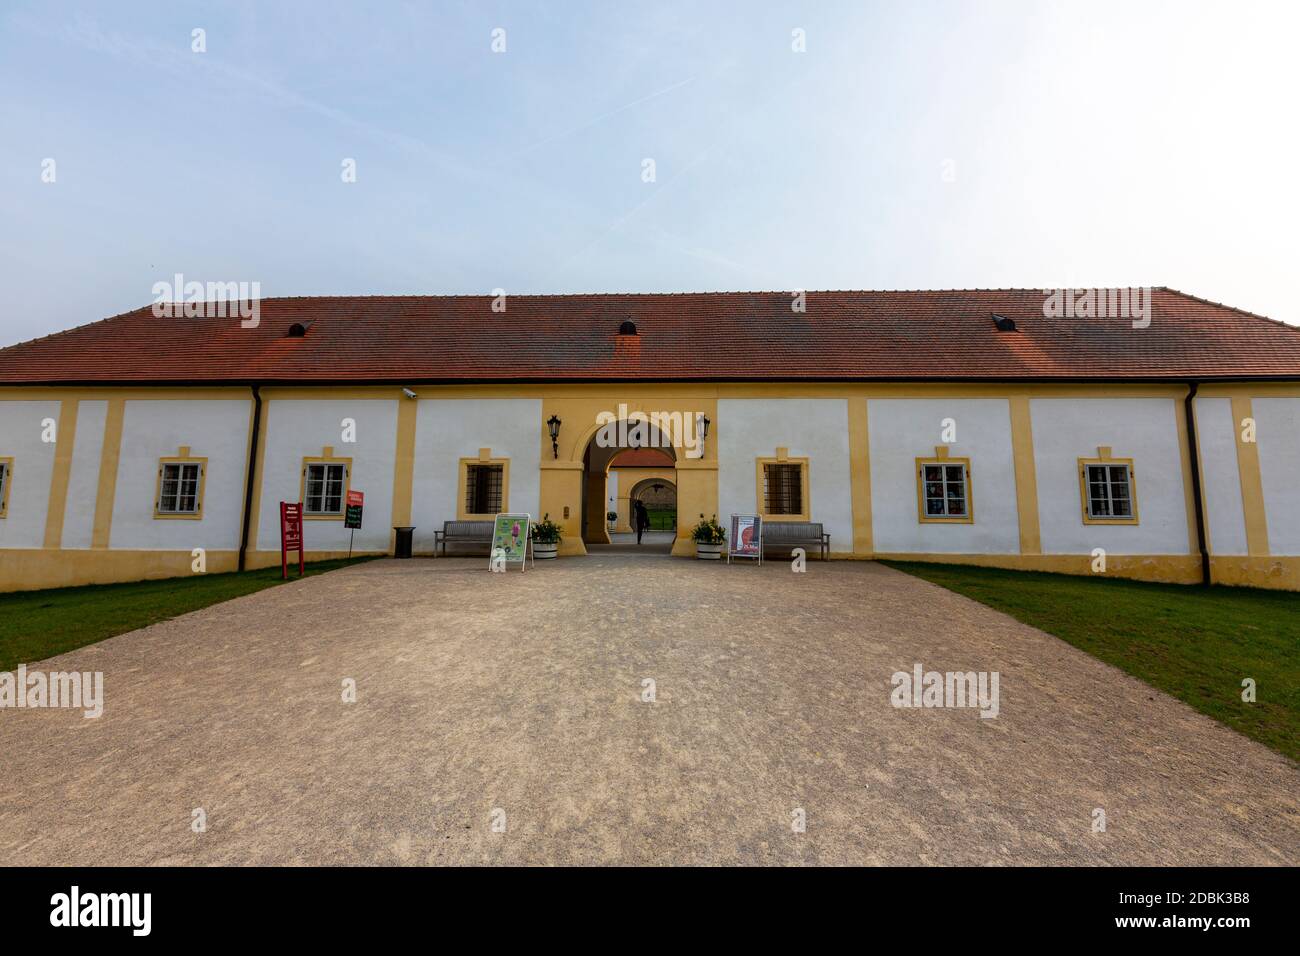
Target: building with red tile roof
1140, 433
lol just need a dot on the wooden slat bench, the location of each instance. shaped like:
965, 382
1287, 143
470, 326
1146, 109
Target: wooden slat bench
787, 535
463, 532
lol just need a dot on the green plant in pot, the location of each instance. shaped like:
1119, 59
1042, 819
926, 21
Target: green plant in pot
709, 538
546, 538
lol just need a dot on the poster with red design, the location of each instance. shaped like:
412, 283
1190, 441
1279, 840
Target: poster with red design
746, 539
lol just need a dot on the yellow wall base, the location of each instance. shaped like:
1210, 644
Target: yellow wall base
1280, 573
34, 569
1164, 568
31, 569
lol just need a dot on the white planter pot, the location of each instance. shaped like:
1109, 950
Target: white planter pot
708, 552
542, 551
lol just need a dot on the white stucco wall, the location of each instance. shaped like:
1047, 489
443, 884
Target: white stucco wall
1277, 423
448, 430
213, 429
20, 439
83, 480
300, 428
812, 428
902, 430
1220, 477
1144, 429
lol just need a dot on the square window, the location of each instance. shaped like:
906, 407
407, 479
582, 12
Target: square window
783, 488
483, 488
1108, 490
944, 487
179, 488
324, 487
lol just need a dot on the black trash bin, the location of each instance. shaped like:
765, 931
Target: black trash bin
402, 545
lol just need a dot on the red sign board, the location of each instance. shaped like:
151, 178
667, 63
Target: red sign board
290, 535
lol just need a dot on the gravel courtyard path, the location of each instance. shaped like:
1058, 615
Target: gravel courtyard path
517, 698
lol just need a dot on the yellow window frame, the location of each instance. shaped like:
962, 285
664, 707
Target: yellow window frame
182, 459
760, 480
8, 464
325, 458
921, 516
1106, 459
463, 481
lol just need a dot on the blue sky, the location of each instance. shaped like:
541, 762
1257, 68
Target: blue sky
913, 145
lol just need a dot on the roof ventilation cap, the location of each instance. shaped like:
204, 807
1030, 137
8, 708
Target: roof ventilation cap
627, 328
298, 330
1003, 323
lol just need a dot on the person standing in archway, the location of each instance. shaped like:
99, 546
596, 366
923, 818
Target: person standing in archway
642, 519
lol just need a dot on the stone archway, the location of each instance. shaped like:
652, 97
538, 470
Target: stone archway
659, 494
569, 492
596, 461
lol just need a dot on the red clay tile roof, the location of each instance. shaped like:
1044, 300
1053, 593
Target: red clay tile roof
642, 458
727, 336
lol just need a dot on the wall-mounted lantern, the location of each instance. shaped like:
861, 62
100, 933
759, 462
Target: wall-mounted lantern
554, 424
704, 434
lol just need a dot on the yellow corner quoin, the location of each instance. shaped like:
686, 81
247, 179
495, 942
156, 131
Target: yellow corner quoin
1104, 458
944, 459
760, 473
462, 514
325, 458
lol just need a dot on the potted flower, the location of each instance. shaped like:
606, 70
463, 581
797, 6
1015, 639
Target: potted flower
546, 538
709, 537
612, 518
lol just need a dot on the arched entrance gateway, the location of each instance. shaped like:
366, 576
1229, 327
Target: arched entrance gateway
602, 457
657, 494
623, 464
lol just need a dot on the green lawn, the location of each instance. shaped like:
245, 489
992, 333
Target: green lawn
1194, 643
35, 625
662, 519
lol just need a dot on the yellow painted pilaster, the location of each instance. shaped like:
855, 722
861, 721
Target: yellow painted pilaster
1022, 454
404, 465
65, 439
1252, 482
108, 462
697, 494
561, 489
860, 477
